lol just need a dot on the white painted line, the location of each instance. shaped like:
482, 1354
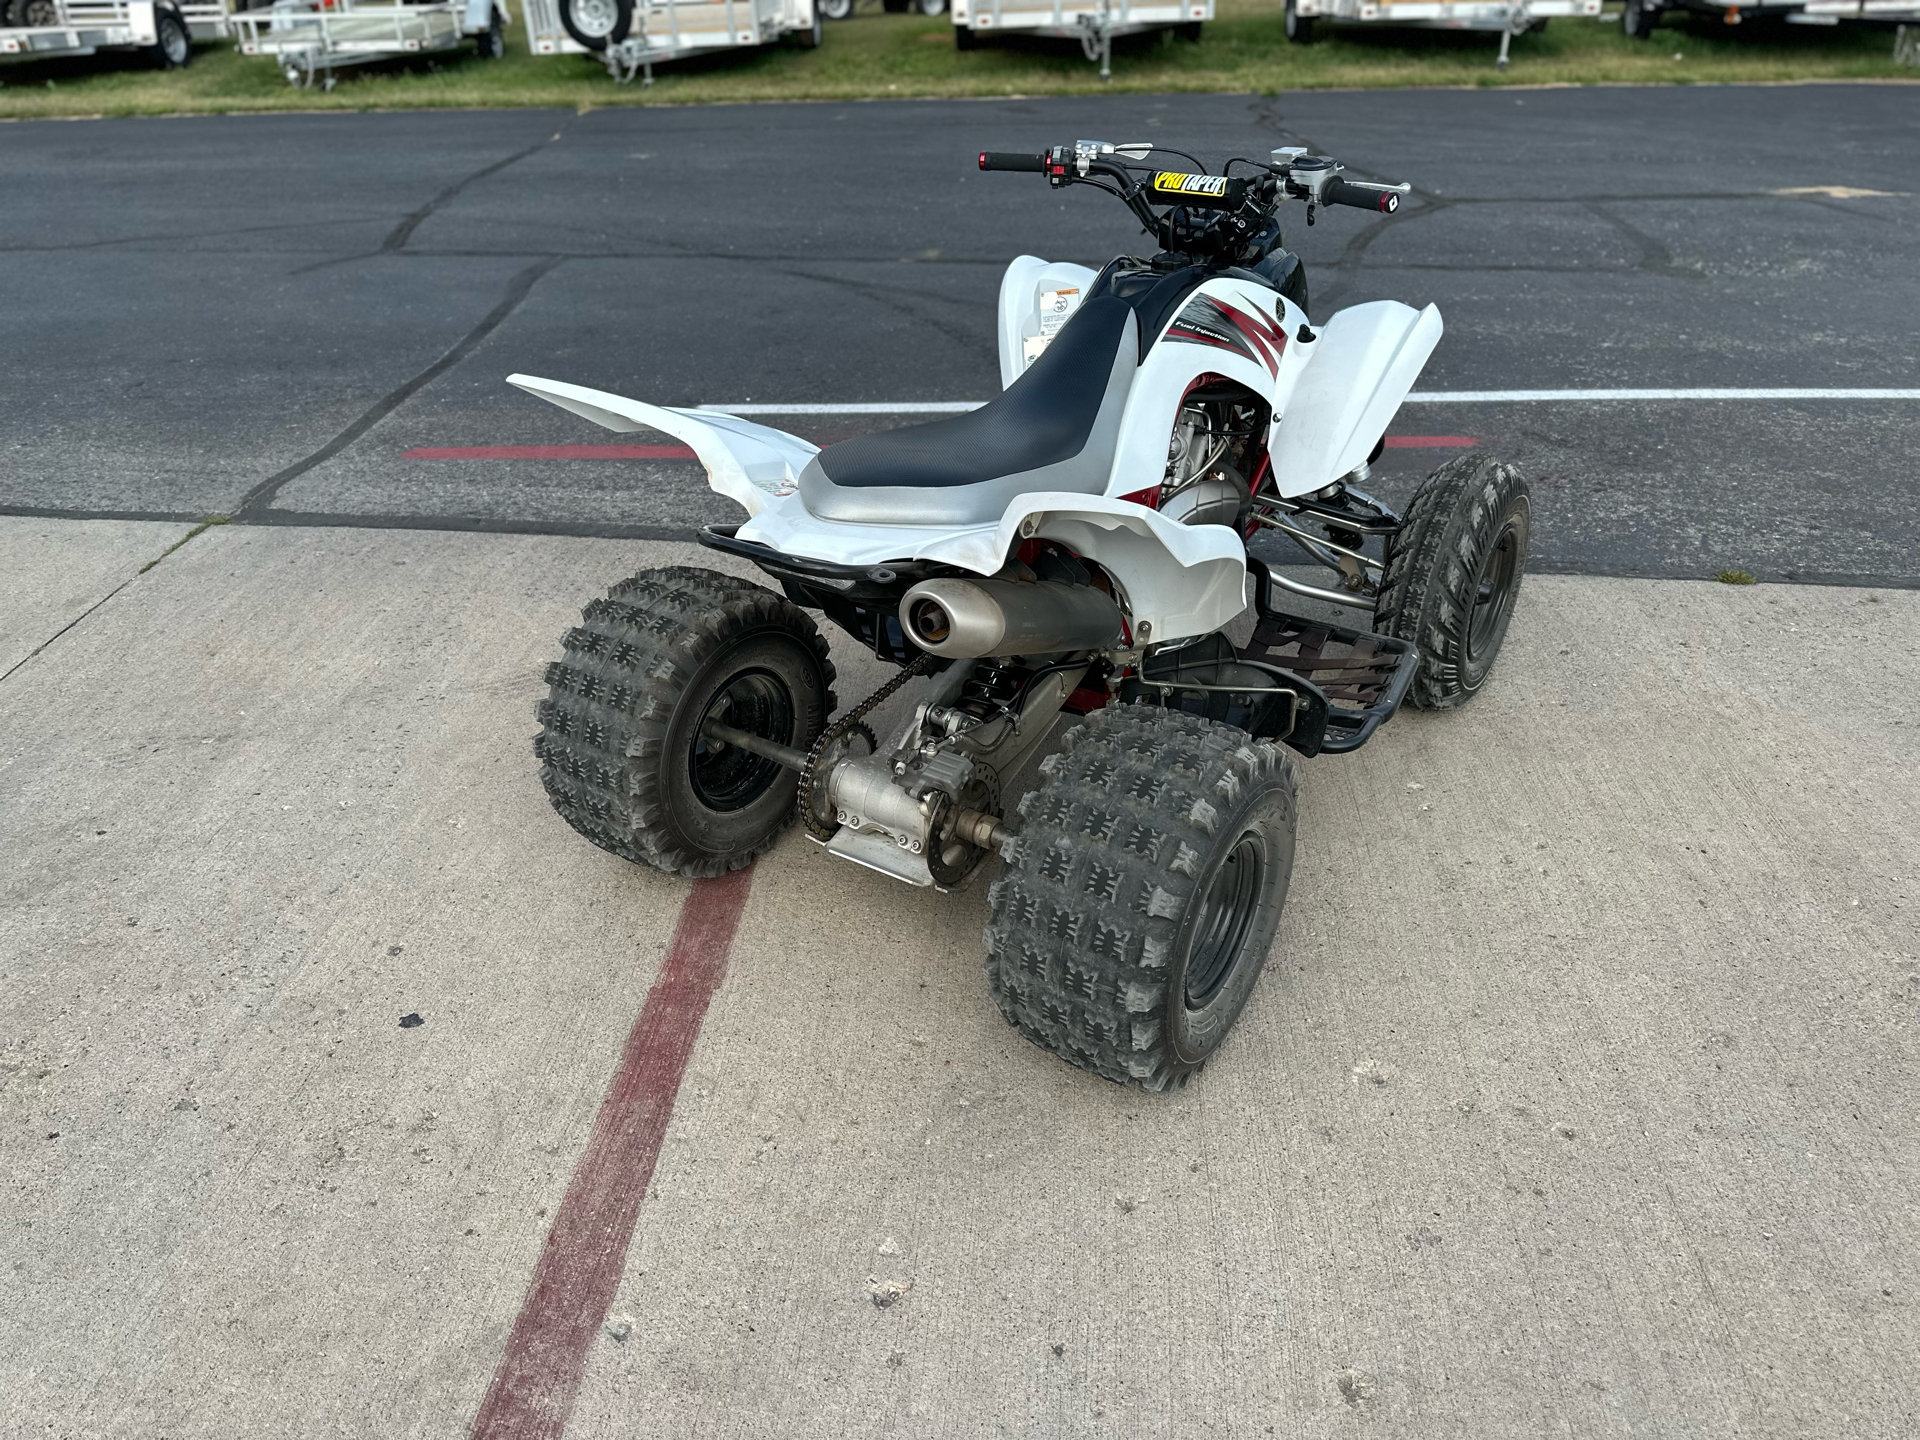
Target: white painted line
1418, 397
897, 407
1508, 397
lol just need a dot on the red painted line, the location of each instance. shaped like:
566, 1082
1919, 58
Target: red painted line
550, 452
533, 1389
1428, 442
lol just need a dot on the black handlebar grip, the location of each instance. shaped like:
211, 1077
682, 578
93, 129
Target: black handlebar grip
1002, 160
1340, 192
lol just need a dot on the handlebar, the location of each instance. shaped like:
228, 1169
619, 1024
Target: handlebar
1202, 213
1361, 197
1007, 160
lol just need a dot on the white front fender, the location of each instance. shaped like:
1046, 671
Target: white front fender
1036, 298
749, 464
1362, 364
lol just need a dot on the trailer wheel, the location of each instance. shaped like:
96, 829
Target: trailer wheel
622, 745
810, 38
34, 13
1453, 574
1142, 894
930, 7
834, 9
597, 24
1638, 19
1298, 28
172, 48
491, 43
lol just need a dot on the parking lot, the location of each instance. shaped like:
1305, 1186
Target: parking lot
343, 1090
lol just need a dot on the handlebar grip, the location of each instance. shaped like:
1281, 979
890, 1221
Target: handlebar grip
1340, 192
1003, 160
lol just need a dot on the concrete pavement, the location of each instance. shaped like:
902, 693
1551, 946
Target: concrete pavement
1577, 1099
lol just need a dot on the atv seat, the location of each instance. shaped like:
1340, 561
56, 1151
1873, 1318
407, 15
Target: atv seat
1054, 428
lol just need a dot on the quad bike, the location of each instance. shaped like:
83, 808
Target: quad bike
1077, 545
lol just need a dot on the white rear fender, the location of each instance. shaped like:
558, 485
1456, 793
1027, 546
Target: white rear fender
749, 464
1360, 369
1182, 580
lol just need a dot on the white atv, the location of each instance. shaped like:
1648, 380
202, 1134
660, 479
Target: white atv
1077, 544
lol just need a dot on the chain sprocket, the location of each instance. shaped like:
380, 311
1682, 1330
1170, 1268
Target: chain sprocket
953, 868
805, 799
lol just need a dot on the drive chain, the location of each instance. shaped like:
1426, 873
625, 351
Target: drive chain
804, 799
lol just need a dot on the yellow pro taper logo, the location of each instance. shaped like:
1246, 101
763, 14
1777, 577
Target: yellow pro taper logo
1165, 182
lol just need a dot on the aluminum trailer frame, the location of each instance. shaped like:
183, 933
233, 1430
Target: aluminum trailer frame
1507, 18
86, 27
310, 39
1901, 16
664, 30
1094, 23
1728, 12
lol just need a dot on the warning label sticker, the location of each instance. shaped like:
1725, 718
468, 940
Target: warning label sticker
1056, 308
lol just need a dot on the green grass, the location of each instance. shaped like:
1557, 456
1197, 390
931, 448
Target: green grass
876, 56
1734, 577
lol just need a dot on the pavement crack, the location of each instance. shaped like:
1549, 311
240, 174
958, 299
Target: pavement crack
397, 238
1655, 258
200, 529
171, 241
902, 300
47, 644
517, 291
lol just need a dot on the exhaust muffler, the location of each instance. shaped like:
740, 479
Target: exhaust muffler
970, 619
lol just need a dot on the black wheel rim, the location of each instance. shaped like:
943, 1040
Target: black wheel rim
1226, 914
1493, 593
724, 776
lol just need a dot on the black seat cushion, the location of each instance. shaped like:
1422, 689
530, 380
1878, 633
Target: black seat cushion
1043, 418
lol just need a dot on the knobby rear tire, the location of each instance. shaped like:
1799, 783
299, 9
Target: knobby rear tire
1093, 950
619, 748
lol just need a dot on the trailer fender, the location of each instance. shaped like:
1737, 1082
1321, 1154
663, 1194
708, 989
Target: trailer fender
1361, 366
749, 464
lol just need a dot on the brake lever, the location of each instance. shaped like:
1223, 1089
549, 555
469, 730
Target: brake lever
1403, 188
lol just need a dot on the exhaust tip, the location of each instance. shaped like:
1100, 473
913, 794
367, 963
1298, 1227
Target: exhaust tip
929, 621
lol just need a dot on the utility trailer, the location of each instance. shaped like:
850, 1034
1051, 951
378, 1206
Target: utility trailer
630, 37
311, 39
1639, 17
1093, 25
1901, 16
162, 30
1506, 18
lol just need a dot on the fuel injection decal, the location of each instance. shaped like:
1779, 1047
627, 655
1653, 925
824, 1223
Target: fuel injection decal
1208, 321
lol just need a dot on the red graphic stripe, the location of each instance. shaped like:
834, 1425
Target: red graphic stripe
533, 1389
550, 452
1267, 336
1429, 442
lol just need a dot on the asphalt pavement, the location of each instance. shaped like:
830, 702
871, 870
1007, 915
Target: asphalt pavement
261, 316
